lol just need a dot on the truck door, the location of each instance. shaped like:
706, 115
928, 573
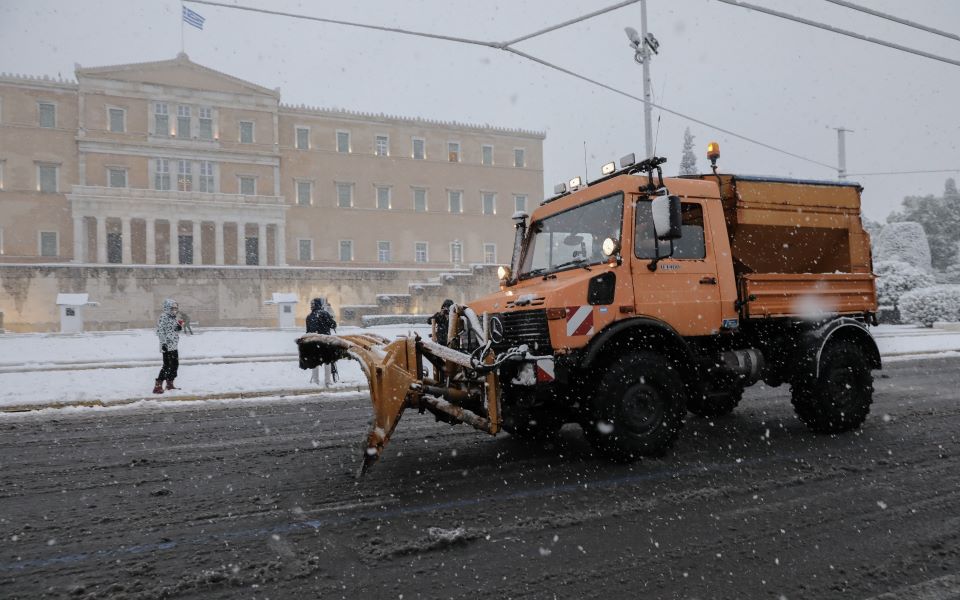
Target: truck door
684, 289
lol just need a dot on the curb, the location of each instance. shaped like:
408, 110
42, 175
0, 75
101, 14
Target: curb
185, 398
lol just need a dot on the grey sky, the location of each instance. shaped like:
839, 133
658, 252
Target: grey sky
770, 79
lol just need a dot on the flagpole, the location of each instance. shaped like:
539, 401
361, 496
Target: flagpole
181, 28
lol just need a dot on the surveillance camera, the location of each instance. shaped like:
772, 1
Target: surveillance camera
633, 36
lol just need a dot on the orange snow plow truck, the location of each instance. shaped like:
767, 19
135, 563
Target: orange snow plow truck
637, 298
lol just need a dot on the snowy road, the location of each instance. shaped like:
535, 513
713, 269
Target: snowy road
258, 500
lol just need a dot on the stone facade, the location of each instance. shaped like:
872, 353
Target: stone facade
174, 164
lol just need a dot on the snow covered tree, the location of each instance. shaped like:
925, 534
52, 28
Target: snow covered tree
904, 241
940, 218
931, 304
688, 160
894, 278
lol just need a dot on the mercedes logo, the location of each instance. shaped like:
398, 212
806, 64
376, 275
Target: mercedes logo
496, 330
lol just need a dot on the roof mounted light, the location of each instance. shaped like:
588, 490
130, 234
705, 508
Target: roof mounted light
560, 188
713, 151
575, 183
608, 168
626, 161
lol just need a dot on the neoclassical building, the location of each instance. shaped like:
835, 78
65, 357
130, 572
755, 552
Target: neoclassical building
174, 163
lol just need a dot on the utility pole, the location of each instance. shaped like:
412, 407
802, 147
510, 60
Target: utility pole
643, 45
842, 151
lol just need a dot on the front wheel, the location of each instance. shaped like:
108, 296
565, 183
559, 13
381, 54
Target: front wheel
840, 398
638, 407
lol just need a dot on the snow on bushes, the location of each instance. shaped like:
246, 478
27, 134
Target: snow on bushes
894, 277
931, 304
904, 241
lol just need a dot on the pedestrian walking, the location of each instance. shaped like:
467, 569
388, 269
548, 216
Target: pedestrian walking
441, 322
169, 326
320, 320
186, 322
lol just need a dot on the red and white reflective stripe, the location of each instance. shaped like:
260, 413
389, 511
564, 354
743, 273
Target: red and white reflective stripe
579, 320
545, 370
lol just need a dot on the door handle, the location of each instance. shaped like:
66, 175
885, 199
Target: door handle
708, 280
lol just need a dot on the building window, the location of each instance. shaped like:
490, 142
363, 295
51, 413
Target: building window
383, 252
382, 145
306, 249
346, 250
345, 195
116, 177
486, 155
419, 148
420, 252
489, 200
161, 119
248, 185
453, 151
383, 197
519, 157
184, 175
183, 121
49, 244
206, 124
208, 182
161, 174
118, 118
419, 200
490, 253
48, 114
47, 178
520, 203
246, 132
304, 193
343, 141
455, 198
456, 252
303, 138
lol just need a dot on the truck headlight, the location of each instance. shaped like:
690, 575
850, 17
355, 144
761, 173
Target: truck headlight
503, 272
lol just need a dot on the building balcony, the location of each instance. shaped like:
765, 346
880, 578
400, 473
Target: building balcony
144, 195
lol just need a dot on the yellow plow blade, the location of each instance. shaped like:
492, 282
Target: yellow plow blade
391, 369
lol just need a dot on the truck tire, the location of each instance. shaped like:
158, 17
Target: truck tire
714, 405
839, 400
638, 407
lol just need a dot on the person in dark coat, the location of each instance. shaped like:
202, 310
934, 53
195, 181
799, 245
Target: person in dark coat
441, 321
169, 326
320, 320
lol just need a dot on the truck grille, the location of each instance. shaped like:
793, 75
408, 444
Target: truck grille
525, 327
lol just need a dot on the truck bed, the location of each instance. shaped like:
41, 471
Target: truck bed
807, 295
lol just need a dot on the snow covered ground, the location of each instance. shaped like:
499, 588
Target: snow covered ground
38, 370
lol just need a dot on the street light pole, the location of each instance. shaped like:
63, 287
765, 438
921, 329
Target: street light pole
644, 46
645, 50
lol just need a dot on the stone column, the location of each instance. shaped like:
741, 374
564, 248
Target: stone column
262, 244
126, 248
79, 240
241, 243
218, 242
281, 241
197, 246
102, 240
150, 235
174, 242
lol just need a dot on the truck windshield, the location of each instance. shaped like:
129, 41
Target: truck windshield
572, 238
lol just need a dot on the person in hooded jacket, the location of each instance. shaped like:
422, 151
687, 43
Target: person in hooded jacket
168, 331
320, 320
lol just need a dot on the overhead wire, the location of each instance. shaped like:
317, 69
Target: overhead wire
507, 47
839, 31
889, 17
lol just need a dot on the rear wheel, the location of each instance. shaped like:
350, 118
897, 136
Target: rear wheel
839, 399
638, 407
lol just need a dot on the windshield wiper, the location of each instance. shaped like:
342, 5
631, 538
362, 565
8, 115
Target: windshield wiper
577, 261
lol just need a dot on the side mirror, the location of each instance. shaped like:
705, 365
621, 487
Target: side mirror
610, 247
667, 220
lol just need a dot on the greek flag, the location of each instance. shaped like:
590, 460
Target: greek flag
193, 18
